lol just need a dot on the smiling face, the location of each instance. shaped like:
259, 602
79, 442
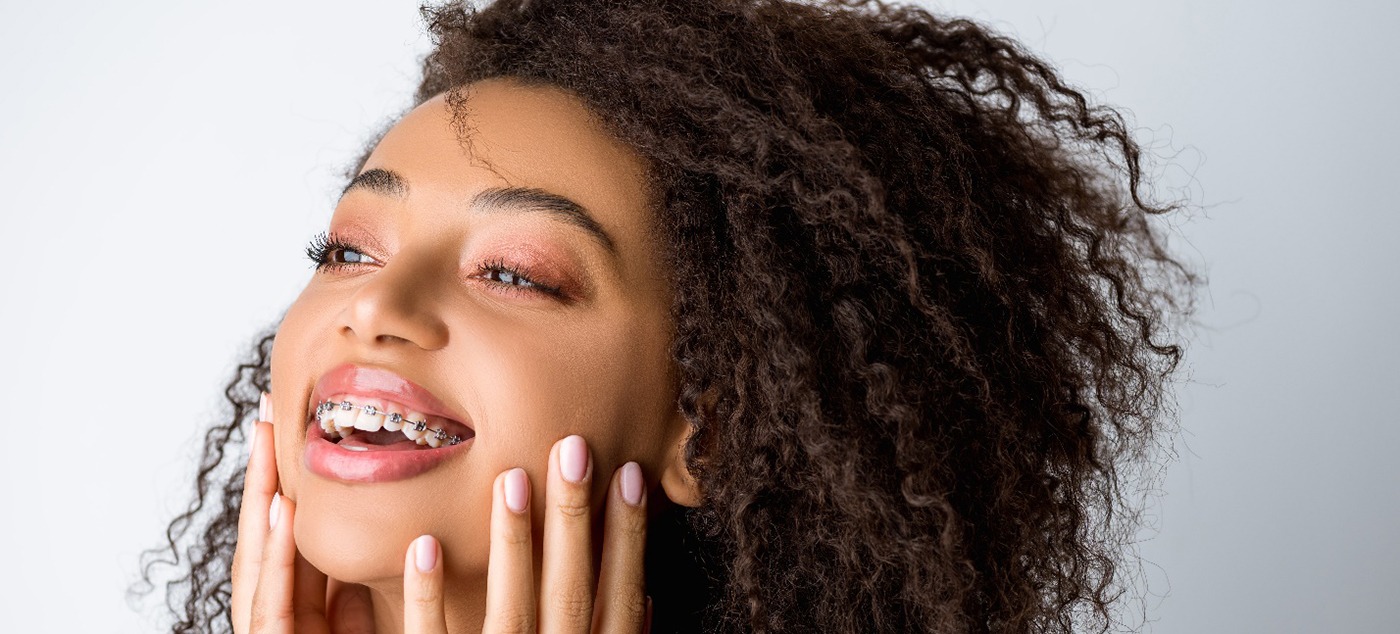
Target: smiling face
514, 278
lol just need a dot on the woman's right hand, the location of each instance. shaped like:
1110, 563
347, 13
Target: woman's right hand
276, 590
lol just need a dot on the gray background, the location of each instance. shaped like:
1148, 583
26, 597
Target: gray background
164, 163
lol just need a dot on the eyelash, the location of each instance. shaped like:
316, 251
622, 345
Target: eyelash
323, 245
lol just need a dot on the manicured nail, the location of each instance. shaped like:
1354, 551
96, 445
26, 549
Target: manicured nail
517, 490
262, 407
573, 459
425, 553
274, 511
253, 443
632, 484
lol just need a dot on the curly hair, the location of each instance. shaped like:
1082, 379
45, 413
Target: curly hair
922, 314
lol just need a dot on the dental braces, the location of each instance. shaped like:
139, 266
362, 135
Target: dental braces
325, 407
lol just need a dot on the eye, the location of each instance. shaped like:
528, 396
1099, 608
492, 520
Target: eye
328, 251
513, 279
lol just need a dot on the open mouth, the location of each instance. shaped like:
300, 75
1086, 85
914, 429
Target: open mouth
364, 424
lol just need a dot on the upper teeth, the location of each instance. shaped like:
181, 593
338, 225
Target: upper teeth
343, 417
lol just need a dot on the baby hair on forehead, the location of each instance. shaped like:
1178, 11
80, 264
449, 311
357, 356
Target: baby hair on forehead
924, 312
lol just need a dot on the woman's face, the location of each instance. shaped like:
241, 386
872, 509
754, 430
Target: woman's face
527, 319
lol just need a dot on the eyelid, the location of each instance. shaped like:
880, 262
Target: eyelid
537, 283
537, 286
325, 243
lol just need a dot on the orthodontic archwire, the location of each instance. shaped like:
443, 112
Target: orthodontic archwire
325, 408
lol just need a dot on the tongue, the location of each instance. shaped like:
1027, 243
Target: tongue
381, 440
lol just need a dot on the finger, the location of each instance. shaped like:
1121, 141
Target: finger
566, 586
621, 604
259, 483
422, 588
308, 596
272, 598
510, 575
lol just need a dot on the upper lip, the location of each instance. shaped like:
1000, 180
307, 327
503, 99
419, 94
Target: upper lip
377, 383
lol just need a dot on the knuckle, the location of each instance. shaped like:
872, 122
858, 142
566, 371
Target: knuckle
633, 527
572, 506
516, 621
426, 596
631, 600
516, 536
572, 603
425, 602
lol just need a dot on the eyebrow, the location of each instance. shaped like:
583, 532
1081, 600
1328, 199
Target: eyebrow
389, 183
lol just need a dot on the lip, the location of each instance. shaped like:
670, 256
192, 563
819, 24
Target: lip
329, 460
384, 385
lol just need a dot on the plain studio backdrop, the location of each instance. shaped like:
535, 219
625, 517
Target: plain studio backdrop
164, 163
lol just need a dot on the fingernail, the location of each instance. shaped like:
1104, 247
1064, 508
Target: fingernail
647, 620
632, 483
573, 459
274, 511
253, 442
517, 490
425, 553
262, 406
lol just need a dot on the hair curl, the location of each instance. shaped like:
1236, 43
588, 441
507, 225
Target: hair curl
920, 310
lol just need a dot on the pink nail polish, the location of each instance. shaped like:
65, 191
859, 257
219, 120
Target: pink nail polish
274, 511
262, 406
517, 490
573, 459
425, 553
631, 483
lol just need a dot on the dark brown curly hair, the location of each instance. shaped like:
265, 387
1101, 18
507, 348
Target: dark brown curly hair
922, 313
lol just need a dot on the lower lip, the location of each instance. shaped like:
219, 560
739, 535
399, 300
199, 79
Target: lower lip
329, 460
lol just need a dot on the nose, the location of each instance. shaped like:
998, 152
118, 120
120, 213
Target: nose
396, 305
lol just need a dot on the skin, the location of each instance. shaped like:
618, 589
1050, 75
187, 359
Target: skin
525, 368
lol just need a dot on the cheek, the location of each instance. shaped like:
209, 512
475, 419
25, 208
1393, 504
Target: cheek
609, 385
293, 350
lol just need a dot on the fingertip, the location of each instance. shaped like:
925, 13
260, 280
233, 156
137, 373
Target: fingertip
575, 463
515, 490
423, 586
425, 553
631, 484
274, 511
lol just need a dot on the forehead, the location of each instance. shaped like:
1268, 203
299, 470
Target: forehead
500, 132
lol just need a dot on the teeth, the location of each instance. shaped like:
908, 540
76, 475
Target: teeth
367, 417
344, 418
393, 421
414, 428
338, 420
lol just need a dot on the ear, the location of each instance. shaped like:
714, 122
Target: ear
676, 480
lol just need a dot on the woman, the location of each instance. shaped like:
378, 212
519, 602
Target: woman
854, 312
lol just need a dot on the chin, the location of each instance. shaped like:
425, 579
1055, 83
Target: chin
361, 533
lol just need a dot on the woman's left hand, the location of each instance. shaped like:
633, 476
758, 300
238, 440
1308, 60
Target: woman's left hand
566, 599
